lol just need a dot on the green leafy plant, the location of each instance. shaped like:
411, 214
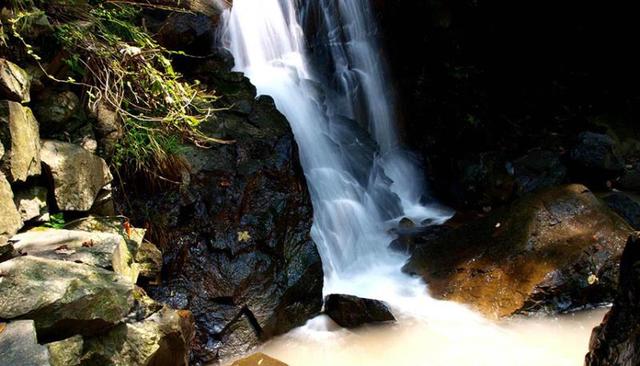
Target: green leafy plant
56, 221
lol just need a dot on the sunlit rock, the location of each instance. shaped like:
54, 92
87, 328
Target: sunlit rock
19, 345
19, 133
32, 203
10, 220
14, 82
63, 298
77, 175
67, 352
554, 250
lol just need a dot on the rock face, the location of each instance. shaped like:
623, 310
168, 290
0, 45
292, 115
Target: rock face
597, 152
14, 82
19, 345
616, 342
55, 109
351, 311
63, 298
10, 220
162, 339
19, 133
236, 240
554, 250
76, 174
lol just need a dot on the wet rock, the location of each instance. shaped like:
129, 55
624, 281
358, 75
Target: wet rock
55, 109
617, 340
19, 345
63, 298
32, 204
236, 239
188, 32
625, 205
554, 250
104, 250
406, 224
19, 133
10, 220
596, 154
537, 170
76, 174
351, 311
67, 352
162, 339
258, 359
149, 260
14, 82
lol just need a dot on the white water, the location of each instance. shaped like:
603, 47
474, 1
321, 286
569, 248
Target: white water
361, 181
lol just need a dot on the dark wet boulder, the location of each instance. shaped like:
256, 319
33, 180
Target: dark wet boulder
596, 157
616, 342
630, 179
188, 32
19, 345
554, 250
352, 311
236, 236
625, 205
483, 180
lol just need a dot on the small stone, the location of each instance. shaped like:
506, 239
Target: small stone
351, 311
406, 223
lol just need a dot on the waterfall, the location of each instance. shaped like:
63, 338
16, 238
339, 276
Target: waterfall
360, 179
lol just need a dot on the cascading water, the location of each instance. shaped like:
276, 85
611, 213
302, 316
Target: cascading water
361, 182
356, 181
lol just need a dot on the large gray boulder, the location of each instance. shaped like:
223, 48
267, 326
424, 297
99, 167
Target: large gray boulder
19, 345
63, 298
77, 175
19, 133
10, 220
14, 82
104, 250
162, 339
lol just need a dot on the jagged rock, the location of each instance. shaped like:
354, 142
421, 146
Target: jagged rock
351, 311
19, 133
616, 342
32, 203
103, 205
19, 345
63, 298
596, 154
625, 205
55, 109
14, 82
104, 250
7, 251
258, 359
67, 352
10, 220
162, 339
77, 175
188, 32
554, 250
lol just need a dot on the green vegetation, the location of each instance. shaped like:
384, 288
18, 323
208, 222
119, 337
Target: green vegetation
120, 66
56, 221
